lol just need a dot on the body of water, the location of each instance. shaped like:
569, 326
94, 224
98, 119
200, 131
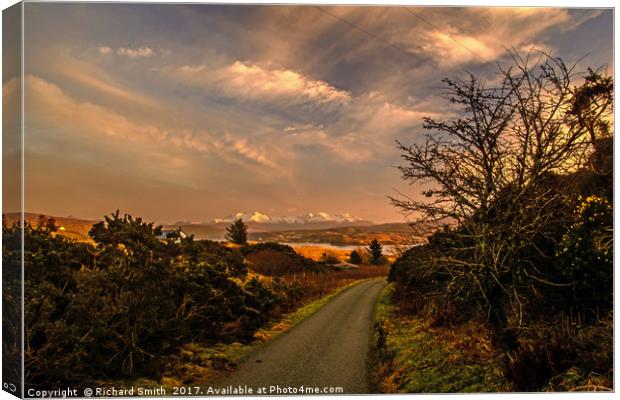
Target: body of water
387, 248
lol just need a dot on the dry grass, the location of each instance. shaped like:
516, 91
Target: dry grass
576, 380
272, 262
420, 358
306, 286
316, 252
309, 286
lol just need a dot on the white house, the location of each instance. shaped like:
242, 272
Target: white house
166, 233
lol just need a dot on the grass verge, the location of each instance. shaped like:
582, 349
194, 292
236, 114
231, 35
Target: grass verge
411, 356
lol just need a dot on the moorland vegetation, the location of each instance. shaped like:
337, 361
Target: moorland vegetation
128, 304
522, 179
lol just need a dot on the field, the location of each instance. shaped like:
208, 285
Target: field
390, 234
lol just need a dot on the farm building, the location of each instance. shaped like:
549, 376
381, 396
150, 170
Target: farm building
167, 233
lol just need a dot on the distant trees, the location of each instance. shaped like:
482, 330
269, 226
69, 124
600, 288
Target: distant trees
237, 232
47, 223
329, 258
355, 258
375, 250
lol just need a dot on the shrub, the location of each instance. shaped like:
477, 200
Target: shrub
112, 309
586, 251
277, 259
329, 258
273, 263
355, 258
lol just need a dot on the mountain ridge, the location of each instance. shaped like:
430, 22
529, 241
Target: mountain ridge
301, 219
334, 229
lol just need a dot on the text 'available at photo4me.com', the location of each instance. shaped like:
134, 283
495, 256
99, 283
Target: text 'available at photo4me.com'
238, 390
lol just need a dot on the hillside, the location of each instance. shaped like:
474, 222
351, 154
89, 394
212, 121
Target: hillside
71, 227
338, 233
390, 234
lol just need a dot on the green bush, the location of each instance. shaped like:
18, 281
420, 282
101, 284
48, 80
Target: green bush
112, 310
586, 251
355, 258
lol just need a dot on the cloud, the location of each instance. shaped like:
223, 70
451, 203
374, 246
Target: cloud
484, 34
131, 52
363, 128
254, 81
135, 53
251, 102
364, 132
448, 36
232, 148
243, 147
246, 81
453, 48
96, 79
111, 89
51, 109
47, 101
295, 130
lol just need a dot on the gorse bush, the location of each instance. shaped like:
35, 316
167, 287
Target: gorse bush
112, 309
586, 251
116, 308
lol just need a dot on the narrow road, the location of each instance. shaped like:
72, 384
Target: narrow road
328, 349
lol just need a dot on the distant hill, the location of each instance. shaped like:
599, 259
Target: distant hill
335, 232
390, 234
259, 223
71, 227
202, 231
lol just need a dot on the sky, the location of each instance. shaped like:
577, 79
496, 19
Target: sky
192, 112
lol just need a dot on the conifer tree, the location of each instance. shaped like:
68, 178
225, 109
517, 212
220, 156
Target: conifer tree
376, 251
237, 232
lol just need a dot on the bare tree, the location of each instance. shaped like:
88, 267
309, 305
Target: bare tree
508, 137
494, 171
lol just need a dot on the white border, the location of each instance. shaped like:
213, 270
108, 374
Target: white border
482, 3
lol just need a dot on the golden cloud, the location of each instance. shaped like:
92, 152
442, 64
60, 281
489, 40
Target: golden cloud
248, 81
52, 109
501, 28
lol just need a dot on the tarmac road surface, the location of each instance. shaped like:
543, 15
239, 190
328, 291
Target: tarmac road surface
328, 350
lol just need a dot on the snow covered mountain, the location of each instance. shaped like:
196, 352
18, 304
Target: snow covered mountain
303, 219
246, 217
